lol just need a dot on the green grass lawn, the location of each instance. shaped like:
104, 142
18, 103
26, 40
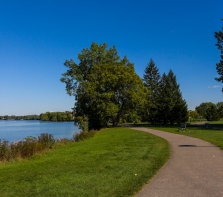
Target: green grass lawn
115, 162
219, 122
211, 135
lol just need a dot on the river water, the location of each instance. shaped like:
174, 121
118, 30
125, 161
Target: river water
14, 130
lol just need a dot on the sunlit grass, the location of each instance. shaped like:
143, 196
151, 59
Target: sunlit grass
211, 135
115, 162
216, 122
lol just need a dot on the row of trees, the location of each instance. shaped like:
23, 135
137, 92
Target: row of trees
56, 116
107, 90
48, 116
210, 111
166, 105
13, 117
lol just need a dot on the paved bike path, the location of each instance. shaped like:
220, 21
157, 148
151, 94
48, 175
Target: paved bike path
195, 168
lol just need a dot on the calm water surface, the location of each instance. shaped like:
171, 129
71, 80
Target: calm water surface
13, 130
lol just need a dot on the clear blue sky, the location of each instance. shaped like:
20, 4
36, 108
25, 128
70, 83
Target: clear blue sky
37, 36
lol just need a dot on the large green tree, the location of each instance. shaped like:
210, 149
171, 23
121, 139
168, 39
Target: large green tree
179, 109
208, 110
105, 86
219, 66
164, 100
166, 105
219, 106
151, 80
212, 113
172, 108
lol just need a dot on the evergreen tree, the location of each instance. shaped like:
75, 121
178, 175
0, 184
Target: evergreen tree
179, 107
151, 80
219, 66
164, 100
171, 107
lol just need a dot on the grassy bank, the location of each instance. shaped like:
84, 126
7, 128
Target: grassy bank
115, 162
210, 135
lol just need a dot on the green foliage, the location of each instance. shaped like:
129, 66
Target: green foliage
13, 117
165, 104
212, 113
193, 115
178, 106
83, 135
56, 116
46, 140
219, 66
4, 150
151, 80
131, 118
219, 106
209, 111
82, 123
106, 87
201, 109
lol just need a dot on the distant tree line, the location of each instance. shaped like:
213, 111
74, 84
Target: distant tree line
56, 116
47, 116
13, 117
108, 91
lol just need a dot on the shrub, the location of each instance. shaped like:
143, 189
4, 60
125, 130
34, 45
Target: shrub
4, 150
81, 136
46, 140
62, 141
25, 148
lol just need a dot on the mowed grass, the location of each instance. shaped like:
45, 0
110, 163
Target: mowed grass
115, 162
219, 122
210, 135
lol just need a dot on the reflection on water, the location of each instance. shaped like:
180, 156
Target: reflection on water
13, 130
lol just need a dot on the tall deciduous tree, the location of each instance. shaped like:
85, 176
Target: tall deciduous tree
208, 110
202, 108
219, 106
105, 86
219, 66
212, 113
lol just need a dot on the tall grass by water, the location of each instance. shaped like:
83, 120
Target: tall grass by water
32, 145
25, 148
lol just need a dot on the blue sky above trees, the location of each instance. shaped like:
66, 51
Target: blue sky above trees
36, 37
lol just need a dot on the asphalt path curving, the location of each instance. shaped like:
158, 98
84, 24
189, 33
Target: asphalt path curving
194, 169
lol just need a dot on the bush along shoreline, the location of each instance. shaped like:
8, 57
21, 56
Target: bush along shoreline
32, 145
25, 148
